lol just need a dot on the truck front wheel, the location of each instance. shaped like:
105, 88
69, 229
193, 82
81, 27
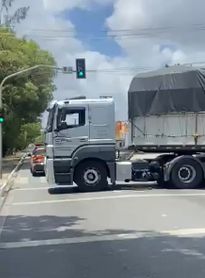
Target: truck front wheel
186, 174
91, 176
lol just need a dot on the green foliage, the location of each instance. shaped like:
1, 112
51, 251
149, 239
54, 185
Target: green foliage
28, 134
39, 139
25, 96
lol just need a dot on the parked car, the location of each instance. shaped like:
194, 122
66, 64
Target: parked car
37, 162
33, 147
37, 146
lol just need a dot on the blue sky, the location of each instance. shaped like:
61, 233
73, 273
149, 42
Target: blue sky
92, 23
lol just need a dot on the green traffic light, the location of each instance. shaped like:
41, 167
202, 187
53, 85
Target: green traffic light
80, 69
1, 120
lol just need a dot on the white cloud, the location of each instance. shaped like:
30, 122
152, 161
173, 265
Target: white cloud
61, 5
180, 42
177, 20
41, 20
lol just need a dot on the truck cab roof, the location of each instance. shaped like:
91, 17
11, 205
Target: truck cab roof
81, 101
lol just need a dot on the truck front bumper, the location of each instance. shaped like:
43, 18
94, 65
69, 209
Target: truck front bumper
59, 172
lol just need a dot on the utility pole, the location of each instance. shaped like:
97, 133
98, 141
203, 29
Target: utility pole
1, 90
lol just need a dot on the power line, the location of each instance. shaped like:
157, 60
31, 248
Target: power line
98, 38
50, 34
153, 28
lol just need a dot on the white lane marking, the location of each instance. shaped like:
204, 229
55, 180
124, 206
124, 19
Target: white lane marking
99, 238
67, 187
164, 215
31, 189
109, 198
186, 232
43, 188
63, 187
62, 241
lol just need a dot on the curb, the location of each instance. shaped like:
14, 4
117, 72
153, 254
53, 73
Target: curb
7, 184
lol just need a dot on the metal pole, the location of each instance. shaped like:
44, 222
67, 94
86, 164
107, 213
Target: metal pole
1, 90
1, 144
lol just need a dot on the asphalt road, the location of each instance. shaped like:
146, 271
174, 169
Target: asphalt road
124, 234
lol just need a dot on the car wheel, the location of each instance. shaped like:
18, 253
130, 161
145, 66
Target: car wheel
34, 174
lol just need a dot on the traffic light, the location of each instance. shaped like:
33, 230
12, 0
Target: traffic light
1, 118
80, 69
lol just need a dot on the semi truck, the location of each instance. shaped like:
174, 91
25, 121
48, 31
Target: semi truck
166, 112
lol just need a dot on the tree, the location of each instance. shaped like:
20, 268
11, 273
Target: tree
30, 133
24, 97
10, 19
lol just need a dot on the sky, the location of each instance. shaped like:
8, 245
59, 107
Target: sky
147, 35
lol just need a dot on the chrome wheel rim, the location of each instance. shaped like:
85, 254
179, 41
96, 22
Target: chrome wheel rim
187, 174
91, 177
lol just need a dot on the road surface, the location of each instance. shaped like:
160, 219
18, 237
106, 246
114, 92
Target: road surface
124, 234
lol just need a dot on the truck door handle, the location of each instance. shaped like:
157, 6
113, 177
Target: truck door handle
83, 140
62, 140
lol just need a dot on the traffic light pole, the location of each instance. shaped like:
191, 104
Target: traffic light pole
1, 90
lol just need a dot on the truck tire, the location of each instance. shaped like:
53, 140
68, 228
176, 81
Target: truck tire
186, 174
91, 176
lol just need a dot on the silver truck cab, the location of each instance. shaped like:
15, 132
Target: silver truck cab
80, 143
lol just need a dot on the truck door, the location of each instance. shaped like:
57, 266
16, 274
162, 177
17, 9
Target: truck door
72, 130
102, 124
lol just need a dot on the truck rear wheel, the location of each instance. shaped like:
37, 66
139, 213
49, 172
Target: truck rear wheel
91, 176
186, 174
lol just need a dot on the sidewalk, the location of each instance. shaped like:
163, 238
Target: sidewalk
8, 164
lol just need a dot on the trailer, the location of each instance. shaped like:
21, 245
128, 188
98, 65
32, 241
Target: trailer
167, 118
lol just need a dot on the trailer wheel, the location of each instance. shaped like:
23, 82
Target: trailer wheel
91, 176
186, 174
